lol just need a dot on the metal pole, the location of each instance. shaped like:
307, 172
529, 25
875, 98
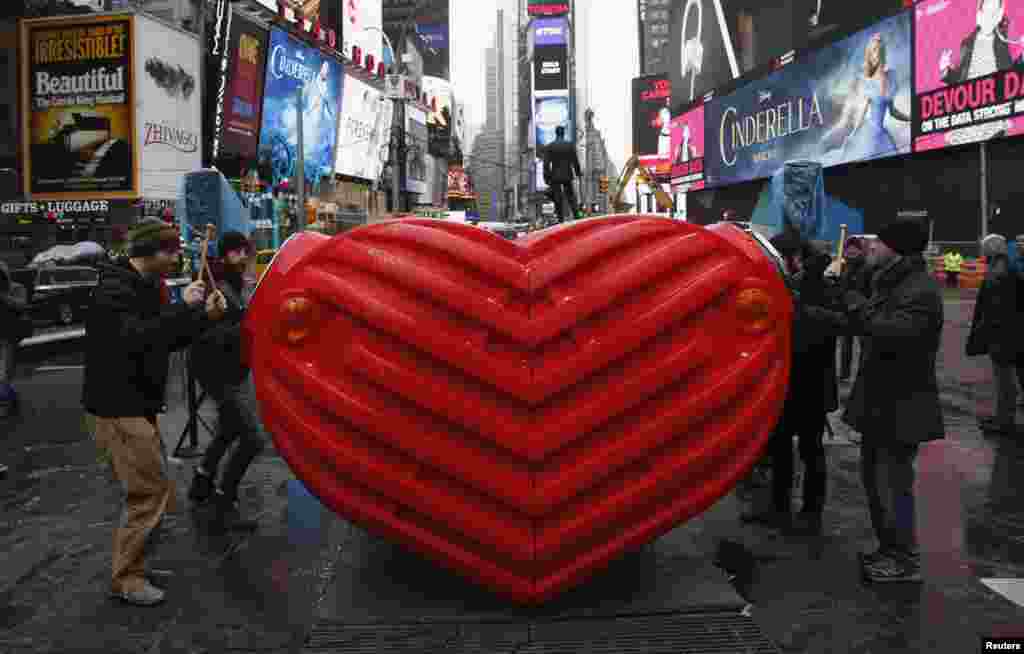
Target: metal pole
984, 190
396, 177
300, 166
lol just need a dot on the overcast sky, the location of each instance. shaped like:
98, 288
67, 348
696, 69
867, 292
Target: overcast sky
606, 49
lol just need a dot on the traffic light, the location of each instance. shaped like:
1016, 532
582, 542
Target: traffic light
603, 182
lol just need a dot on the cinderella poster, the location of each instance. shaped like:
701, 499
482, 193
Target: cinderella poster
292, 65
849, 101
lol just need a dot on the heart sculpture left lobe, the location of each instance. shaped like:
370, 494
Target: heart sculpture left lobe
525, 411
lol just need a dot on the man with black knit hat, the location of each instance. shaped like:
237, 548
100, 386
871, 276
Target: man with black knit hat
895, 399
130, 332
217, 362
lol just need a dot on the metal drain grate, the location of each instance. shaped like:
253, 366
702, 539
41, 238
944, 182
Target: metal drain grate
677, 633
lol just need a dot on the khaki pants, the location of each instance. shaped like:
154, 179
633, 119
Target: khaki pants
136, 452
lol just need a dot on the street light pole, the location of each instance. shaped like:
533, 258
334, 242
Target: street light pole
300, 165
396, 116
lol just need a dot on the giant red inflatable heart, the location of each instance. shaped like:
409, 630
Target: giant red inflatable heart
521, 411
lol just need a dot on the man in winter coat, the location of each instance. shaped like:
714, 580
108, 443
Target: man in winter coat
895, 399
130, 332
812, 391
217, 363
999, 324
15, 325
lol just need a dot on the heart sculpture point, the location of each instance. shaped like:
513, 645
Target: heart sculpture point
522, 412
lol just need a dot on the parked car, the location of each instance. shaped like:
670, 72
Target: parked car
58, 294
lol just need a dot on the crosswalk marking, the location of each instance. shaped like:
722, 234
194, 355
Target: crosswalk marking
1011, 589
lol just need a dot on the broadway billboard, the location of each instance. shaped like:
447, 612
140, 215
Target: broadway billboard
846, 102
363, 130
688, 150
168, 109
292, 66
969, 77
652, 123
78, 118
241, 57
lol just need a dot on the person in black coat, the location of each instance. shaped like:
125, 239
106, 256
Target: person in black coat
895, 404
130, 332
812, 392
15, 325
217, 364
561, 166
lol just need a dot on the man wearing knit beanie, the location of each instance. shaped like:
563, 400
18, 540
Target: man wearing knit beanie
130, 333
895, 399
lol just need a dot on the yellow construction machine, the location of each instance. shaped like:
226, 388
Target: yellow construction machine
644, 176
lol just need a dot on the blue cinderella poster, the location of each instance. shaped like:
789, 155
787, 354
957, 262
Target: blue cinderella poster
290, 66
849, 101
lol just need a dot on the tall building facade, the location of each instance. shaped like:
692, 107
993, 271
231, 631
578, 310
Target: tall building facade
654, 35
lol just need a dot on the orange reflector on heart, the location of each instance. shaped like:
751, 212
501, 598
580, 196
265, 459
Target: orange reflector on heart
297, 317
754, 309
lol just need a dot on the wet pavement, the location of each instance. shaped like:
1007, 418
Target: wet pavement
306, 568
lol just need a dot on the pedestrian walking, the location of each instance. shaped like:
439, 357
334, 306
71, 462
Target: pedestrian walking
812, 392
130, 332
895, 399
15, 326
953, 263
217, 363
996, 330
855, 276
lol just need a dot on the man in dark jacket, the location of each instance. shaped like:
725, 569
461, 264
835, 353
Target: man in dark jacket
560, 165
812, 392
895, 399
15, 325
130, 332
217, 363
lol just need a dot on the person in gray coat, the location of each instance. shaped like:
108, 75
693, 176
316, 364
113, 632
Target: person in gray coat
895, 399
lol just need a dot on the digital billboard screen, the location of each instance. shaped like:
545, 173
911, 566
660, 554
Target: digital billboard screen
239, 90
547, 8
849, 101
549, 113
713, 42
363, 130
687, 163
291, 66
652, 122
969, 79
550, 70
550, 31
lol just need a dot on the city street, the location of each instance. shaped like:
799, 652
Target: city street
309, 581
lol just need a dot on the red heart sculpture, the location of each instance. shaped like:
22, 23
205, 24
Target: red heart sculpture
521, 411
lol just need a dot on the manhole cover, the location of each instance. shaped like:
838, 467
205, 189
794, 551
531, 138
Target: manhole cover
676, 633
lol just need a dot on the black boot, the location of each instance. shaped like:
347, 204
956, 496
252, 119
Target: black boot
202, 488
228, 515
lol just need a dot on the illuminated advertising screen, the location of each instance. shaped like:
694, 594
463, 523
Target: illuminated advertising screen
652, 123
969, 78
549, 113
547, 8
292, 66
439, 122
550, 31
79, 107
363, 130
713, 42
847, 102
550, 69
239, 89
687, 162
434, 47
416, 161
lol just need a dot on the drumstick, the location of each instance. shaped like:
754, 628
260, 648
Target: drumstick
204, 266
841, 250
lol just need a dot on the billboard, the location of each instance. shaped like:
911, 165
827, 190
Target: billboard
78, 118
969, 79
550, 69
688, 150
713, 42
434, 47
550, 31
849, 101
547, 8
168, 110
549, 113
9, 92
439, 122
362, 22
239, 89
363, 130
652, 123
416, 159
291, 66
